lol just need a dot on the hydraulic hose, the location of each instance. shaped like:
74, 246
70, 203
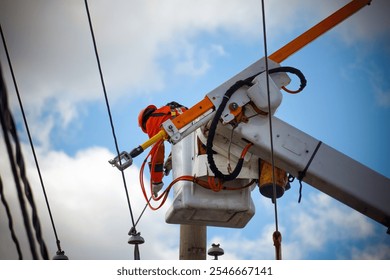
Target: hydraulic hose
212, 130
218, 114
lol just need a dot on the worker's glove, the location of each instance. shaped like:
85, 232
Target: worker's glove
168, 165
156, 187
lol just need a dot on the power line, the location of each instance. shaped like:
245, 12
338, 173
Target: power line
8, 127
10, 221
31, 141
276, 233
108, 108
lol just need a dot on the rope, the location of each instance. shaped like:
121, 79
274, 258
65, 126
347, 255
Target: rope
30, 140
108, 108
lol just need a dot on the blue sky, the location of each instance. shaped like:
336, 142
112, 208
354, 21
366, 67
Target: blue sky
153, 52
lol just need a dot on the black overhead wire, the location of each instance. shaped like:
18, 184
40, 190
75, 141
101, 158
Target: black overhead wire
17, 162
269, 115
10, 220
276, 235
143, 211
30, 140
108, 108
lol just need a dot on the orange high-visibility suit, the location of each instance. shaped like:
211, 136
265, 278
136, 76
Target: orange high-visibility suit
150, 120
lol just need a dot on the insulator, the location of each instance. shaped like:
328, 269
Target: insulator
215, 251
60, 256
136, 238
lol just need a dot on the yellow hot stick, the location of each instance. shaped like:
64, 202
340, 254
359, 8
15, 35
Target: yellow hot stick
161, 135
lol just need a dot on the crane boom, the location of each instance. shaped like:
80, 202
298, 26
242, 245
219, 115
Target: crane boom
326, 169
296, 152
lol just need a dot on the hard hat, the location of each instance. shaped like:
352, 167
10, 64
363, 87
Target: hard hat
144, 115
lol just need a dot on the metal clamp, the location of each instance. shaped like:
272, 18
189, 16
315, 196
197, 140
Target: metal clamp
172, 131
122, 161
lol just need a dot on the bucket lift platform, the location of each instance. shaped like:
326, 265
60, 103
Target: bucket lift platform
193, 204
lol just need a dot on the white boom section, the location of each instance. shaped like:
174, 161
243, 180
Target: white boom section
330, 171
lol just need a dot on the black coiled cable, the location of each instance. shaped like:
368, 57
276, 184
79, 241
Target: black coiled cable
218, 114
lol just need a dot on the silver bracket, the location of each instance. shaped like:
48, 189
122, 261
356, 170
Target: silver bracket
172, 131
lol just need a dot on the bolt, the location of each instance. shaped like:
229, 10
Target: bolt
233, 106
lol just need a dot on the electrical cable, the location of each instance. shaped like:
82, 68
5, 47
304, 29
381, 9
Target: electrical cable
277, 235
108, 108
269, 115
6, 121
10, 221
215, 121
212, 130
30, 141
143, 211
164, 194
28, 192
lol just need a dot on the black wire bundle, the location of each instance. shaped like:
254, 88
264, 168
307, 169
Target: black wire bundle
218, 114
19, 173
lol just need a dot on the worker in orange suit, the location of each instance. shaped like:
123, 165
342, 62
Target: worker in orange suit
150, 120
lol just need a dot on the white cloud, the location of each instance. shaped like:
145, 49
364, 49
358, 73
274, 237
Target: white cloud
197, 62
307, 229
51, 48
376, 252
89, 207
371, 23
322, 221
53, 55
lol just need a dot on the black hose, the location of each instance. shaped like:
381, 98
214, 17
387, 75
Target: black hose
218, 114
212, 130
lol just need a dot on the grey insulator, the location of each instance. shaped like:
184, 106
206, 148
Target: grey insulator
215, 251
136, 238
60, 256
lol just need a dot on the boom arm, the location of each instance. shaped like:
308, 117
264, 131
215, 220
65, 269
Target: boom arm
325, 168
328, 170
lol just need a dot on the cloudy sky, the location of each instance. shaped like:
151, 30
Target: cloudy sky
153, 52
